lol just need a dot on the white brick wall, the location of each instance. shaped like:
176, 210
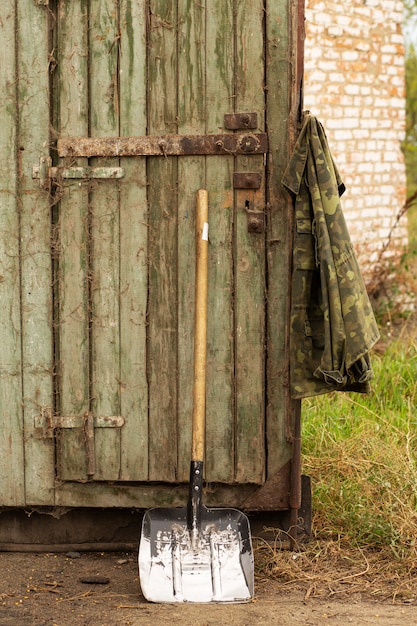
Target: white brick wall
355, 85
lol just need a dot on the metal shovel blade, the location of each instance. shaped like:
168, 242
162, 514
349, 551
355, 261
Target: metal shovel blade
217, 566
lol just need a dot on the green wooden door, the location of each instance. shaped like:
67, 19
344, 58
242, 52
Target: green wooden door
124, 275
96, 367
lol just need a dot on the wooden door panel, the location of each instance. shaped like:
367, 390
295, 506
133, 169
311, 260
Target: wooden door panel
191, 176
35, 248
220, 448
105, 242
126, 265
134, 230
12, 485
162, 250
250, 256
72, 219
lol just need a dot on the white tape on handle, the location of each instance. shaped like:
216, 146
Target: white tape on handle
205, 232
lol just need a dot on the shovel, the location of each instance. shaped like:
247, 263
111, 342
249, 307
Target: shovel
196, 554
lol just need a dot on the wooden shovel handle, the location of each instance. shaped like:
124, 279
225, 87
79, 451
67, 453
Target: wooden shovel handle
200, 328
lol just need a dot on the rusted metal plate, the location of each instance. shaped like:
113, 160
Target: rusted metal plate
166, 145
255, 220
240, 121
246, 180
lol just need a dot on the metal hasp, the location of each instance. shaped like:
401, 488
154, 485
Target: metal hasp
166, 145
45, 172
86, 172
47, 422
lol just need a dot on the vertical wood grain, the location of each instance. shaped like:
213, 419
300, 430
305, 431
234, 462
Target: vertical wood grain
36, 280
133, 245
249, 306
73, 224
163, 222
11, 419
104, 42
281, 112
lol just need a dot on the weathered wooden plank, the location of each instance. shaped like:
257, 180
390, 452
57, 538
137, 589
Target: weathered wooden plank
191, 144
250, 257
220, 358
104, 42
281, 113
33, 125
133, 247
191, 176
73, 226
162, 199
107, 495
11, 419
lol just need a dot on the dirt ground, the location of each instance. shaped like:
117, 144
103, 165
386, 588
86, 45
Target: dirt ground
102, 589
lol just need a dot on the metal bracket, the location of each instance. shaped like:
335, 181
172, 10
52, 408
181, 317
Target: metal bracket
256, 219
47, 422
240, 121
45, 172
41, 171
246, 180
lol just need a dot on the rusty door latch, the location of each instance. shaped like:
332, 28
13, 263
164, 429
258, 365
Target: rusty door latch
45, 173
46, 423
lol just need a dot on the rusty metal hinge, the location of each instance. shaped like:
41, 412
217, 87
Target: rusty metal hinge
165, 145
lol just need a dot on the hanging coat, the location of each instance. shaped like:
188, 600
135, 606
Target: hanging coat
332, 323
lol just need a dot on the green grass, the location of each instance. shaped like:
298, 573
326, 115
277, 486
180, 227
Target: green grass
361, 453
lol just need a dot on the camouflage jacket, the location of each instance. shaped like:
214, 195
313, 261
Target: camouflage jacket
332, 322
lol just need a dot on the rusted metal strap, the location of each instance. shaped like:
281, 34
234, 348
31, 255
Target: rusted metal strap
166, 145
46, 422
